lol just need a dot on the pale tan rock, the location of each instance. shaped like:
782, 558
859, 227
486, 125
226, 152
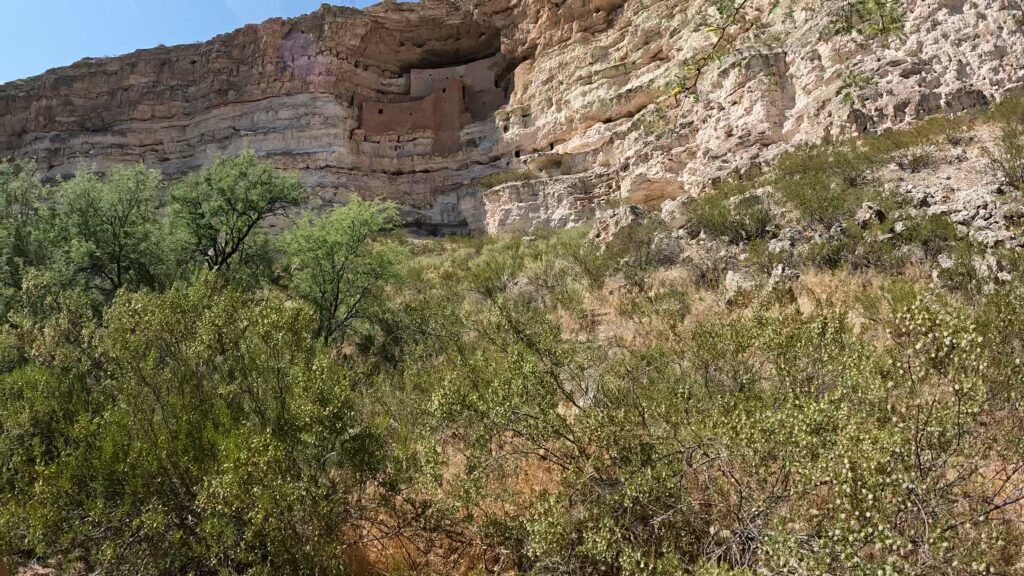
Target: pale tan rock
533, 205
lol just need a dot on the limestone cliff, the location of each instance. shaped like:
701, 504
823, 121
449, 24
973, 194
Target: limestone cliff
642, 99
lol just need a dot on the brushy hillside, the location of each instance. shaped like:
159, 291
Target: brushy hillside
815, 374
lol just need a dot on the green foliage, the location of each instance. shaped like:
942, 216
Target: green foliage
915, 160
541, 405
639, 250
23, 231
340, 267
853, 83
222, 207
932, 233
215, 438
768, 443
881, 248
940, 129
106, 228
654, 120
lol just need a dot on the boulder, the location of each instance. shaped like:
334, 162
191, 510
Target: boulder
738, 284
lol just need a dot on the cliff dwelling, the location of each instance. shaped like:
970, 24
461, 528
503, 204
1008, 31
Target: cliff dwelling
441, 101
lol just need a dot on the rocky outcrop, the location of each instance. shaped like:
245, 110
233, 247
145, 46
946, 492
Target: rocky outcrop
546, 203
285, 88
636, 100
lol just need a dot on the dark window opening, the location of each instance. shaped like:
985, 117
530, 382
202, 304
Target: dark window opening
380, 111
444, 90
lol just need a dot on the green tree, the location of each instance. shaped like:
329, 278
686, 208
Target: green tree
22, 233
222, 206
107, 227
341, 265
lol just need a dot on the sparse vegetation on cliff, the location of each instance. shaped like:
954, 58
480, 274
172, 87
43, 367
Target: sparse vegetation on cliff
1007, 157
504, 177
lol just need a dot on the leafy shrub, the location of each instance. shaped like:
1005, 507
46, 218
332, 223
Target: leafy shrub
23, 228
220, 439
107, 227
512, 411
953, 129
933, 233
879, 248
640, 255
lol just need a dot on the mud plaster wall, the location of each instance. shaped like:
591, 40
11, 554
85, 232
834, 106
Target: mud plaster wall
440, 112
478, 76
449, 98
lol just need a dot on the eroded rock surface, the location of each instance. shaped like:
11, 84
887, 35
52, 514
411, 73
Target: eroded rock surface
639, 101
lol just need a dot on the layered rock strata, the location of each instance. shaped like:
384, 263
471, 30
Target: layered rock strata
644, 100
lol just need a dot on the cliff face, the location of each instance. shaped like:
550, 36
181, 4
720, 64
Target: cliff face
638, 99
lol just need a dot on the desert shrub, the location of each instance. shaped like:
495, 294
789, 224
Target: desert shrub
587, 257
933, 233
953, 130
997, 320
879, 247
23, 241
826, 185
662, 311
960, 274
765, 442
1006, 158
511, 410
739, 219
915, 160
640, 255
831, 253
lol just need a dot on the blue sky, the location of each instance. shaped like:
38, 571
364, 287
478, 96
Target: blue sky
36, 35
